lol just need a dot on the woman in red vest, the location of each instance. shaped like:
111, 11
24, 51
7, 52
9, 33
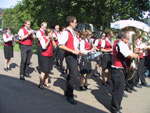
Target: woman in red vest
98, 44
85, 66
46, 61
8, 48
106, 48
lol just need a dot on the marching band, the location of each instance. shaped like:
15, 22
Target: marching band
77, 47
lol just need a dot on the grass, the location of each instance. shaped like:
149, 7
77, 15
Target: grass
16, 47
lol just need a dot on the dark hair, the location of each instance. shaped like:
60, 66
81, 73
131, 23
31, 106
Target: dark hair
26, 21
8, 28
70, 19
48, 30
102, 34
122, 34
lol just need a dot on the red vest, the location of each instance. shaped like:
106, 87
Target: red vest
49, 51
99, 44
56, 41
70, 42
7, 43
28, 40
117, 62
88, 46
43, 34
108, 46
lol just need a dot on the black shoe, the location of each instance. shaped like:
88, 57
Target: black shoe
145, 85
82, 88
104, 84
109, 83
22, 77
5, 69
71, 100
86, 87
116, 112
51, 73
28, 76
128, 90
138, 86
125, 95
133, 89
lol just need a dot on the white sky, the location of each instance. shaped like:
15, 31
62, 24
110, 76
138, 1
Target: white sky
8, 3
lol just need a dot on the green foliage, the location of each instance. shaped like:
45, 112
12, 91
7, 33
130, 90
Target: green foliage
97, 12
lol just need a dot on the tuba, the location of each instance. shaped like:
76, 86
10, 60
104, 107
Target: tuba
134, 62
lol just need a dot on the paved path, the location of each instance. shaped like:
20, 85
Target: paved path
18, 96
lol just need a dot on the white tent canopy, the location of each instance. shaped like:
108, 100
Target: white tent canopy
130, 23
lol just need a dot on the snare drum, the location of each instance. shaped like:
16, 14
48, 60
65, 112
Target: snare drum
94, 56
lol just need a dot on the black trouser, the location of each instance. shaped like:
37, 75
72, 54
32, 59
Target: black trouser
26, 54
61, 56
118, 79
140, 72
39, 51
72, 65
55, 53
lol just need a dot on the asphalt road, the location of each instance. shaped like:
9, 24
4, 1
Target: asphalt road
18, 96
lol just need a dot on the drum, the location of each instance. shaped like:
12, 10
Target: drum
94, 56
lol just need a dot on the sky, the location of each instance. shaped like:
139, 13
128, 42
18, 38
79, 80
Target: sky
8, 3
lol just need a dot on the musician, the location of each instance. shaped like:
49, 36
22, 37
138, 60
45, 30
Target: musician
40, 34
98, 44
8, 39
85, 66
121, 52
69, 43
56, 36
46, 59
106, 48
25, 37
140, 49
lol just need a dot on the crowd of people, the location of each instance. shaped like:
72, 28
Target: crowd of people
76, 47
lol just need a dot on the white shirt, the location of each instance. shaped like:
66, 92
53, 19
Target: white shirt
39, 34
7, 39
97, 41
141, 46
56, 34
82, 47
104, 42
21, 33
43, 43
64, 38
124, 49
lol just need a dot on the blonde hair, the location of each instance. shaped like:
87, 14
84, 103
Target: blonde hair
110, 33
88, 32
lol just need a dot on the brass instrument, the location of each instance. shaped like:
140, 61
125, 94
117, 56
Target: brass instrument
134, 62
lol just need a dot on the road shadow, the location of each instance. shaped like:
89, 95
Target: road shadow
103, 94
18, 96
13, 65
30, 70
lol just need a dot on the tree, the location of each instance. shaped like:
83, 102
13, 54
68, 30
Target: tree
97, 12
